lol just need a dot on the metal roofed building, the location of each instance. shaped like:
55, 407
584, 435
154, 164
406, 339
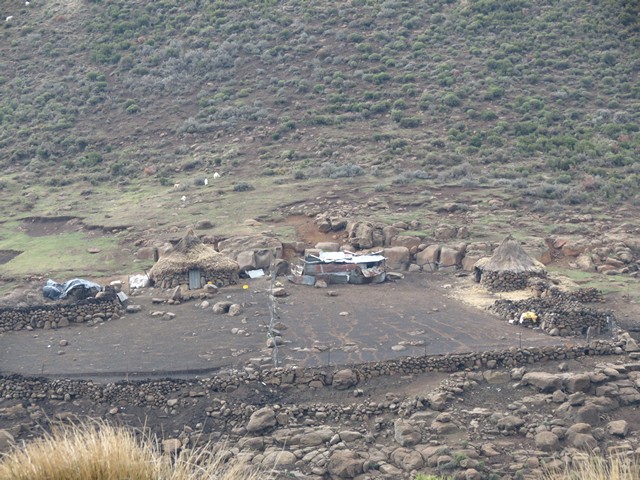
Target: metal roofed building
340, 268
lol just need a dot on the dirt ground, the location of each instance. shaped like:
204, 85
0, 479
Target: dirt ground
353, 324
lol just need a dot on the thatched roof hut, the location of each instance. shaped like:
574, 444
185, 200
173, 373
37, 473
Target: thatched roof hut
195, 263
509, 268
510, 257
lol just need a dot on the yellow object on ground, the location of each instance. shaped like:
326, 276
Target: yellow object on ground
531, 316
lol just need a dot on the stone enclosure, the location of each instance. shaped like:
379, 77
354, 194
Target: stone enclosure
104, 307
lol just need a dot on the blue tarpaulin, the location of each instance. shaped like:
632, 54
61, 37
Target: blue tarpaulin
56, 291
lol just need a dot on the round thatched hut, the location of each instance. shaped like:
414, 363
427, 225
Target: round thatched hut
193, 263
509, 268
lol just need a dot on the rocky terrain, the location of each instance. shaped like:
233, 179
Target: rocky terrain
486, 421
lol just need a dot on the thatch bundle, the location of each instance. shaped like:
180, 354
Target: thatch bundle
509, 268
191, 254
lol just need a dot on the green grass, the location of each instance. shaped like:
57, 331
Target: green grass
64, 253
607, 284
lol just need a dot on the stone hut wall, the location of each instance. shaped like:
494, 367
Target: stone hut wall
220, 279
506, 281
60, 315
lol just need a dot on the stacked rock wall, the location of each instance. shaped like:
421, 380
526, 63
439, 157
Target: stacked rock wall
556, 315
60, 315
156, 392
506, 281
582, 295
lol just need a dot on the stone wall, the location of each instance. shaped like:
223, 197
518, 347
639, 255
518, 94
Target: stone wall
506, 281
61, 314
582, 295
156, 392
556, 315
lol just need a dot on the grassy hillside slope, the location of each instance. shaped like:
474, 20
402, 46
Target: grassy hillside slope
104, 101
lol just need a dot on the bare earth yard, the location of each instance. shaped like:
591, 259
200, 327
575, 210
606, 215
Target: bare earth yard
361, 323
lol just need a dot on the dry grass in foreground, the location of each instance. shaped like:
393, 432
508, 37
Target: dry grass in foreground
99, 451
592, 467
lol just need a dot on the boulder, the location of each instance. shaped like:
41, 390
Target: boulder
222, 307
510, 423
618, 428
361, 235
398, 258
344, 379
389, 233
577, 382
406, 241
583, 441
496, 377
405, 433
585, 263
261, 420
345, 464
445, 232
547, 441
450, 257
429, 256
543, 381
246, 260
252, 251
588, 414
278, 459
407, 459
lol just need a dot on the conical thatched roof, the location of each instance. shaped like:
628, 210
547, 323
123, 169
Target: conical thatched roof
190, 254
510, 257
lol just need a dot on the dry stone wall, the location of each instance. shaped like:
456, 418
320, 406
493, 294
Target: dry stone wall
156, 393
60, 315
556, 315
506, 281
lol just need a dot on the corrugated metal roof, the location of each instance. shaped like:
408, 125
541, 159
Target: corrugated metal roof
346, 257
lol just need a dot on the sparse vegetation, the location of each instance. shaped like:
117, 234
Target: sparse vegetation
616, 467
100, 451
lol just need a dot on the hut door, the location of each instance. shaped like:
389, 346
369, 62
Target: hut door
194, 279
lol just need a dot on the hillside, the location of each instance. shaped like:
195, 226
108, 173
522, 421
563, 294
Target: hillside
106, 105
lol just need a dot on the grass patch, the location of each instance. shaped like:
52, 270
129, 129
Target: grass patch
604, 283
62, 253
616, 467
99, 451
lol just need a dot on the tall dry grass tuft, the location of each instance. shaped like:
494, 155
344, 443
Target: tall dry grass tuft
592, 467
99, 451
